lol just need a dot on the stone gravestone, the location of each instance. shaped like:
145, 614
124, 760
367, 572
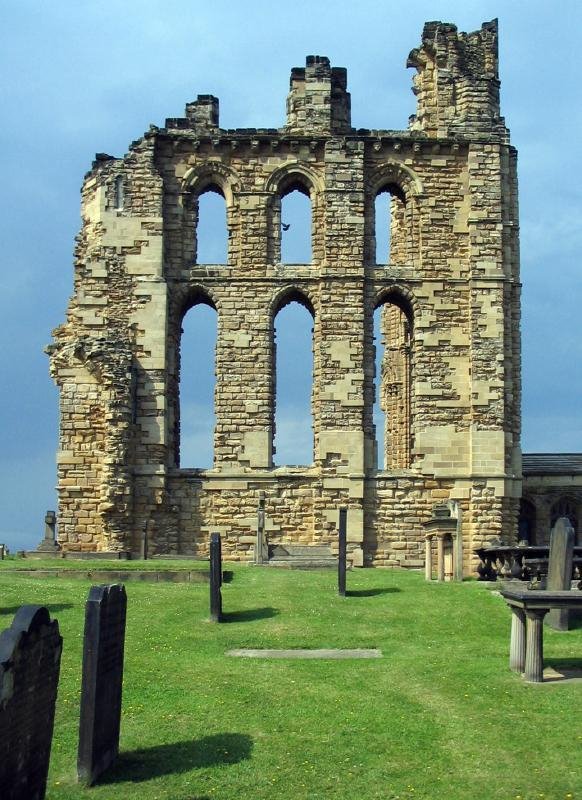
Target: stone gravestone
261, 547
30, 659
342, 552
215, 578
560, 569
49, 544
101, 688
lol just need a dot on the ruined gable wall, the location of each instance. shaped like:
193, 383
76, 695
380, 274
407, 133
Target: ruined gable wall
454, 267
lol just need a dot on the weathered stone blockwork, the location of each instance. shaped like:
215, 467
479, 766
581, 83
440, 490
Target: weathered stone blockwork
450, 294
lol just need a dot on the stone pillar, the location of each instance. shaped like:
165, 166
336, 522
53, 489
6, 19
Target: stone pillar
428, 558
440, 557
517, 642
534, 654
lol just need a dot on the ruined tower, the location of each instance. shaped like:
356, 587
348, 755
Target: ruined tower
450, 382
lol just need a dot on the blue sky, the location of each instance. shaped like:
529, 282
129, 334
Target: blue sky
89, 76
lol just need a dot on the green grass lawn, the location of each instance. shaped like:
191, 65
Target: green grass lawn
439, 716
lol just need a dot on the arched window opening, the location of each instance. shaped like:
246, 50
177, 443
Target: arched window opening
392, 412
119, 193
526, 525
212, 228
296, 226
196, 387
564, 507
390, 225
293, 382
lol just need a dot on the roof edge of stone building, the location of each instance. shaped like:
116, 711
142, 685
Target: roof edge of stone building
552, 464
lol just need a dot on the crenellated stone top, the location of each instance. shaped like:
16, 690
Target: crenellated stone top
457, 83
318, 99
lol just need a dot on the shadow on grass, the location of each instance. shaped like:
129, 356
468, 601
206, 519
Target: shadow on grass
371, 592
564, 663
171, 759
575, 618
249, 614
52, 607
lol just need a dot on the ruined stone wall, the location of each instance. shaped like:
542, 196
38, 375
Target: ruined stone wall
450, 300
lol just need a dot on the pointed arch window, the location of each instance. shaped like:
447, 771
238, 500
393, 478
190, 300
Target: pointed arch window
291, 229
392, 411
293, 381
195, 418
296, 226
211, 227
392, 226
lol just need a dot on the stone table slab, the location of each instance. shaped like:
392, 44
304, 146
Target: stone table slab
529, 607
306, 653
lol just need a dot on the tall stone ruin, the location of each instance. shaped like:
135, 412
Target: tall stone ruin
450, 381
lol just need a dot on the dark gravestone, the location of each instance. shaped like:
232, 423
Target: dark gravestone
215, 578
342, 552
560, 569
102, 681
30, 659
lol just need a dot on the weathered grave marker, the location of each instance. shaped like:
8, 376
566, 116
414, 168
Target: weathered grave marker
103, 646
144, 542
215, 578
49, 543
342, 552
30, 658
261, 547
560, 569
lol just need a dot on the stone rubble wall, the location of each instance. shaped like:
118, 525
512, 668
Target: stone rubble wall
452, 377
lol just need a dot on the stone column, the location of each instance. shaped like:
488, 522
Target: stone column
517, 642
534, 654
440, 557
428, 558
